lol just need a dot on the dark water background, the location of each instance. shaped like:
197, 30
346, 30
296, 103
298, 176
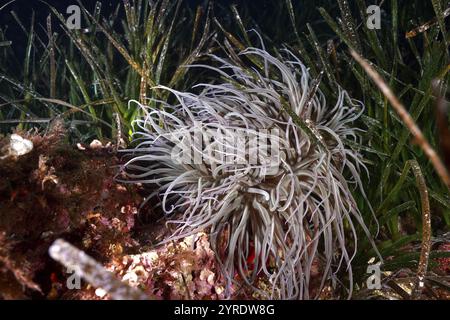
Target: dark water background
25, 8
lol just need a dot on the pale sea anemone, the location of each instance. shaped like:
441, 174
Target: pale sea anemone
290, 214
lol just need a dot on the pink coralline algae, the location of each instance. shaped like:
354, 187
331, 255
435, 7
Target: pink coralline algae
185, 269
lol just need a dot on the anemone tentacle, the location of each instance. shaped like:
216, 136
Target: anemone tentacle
292, 215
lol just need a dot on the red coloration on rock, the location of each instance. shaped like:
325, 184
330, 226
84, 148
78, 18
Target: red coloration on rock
58, 191
444, 263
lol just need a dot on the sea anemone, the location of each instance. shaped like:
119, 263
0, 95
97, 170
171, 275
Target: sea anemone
260, 161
